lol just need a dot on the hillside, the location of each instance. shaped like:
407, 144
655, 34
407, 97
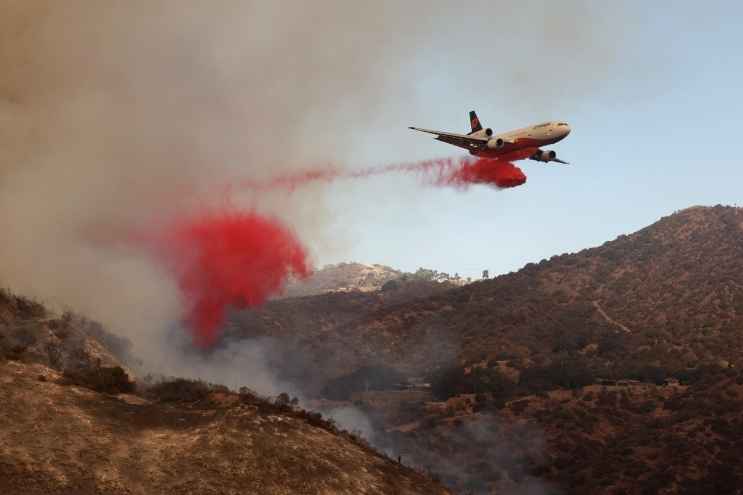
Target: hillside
58, 438
72, 423
68, 342
647, 310
670, 295
634, 438
617, 369
305, 332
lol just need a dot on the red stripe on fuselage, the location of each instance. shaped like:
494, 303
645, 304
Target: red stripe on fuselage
519, 149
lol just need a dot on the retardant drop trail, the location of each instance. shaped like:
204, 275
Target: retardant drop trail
444, 172
499, 173
240, 259
228, 259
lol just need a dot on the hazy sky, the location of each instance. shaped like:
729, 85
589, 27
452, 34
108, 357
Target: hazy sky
656, 128
117, 116
111, 111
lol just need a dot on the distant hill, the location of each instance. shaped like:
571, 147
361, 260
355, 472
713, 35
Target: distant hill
348, 277
343, 277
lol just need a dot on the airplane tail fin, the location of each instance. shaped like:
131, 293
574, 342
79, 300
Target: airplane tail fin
474, 122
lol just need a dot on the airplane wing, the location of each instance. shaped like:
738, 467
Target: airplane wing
461, 140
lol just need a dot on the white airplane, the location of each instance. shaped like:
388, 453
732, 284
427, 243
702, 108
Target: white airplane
513, 145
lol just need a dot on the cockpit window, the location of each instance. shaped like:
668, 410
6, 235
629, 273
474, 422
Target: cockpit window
563, 124
546, 124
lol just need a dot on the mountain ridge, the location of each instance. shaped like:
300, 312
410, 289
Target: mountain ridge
589, 286
615, 342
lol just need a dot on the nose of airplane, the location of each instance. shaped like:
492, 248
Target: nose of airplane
566, 129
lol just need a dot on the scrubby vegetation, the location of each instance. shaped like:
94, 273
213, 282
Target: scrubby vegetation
182, 390
60, 439
20, 307
610, 352
198, 393
623, 361
362, 380
109, 380
16, 315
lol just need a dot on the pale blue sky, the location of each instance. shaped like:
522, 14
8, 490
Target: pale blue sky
656, 128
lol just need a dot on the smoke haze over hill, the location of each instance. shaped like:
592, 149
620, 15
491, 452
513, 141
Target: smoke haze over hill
117, 116
605, 369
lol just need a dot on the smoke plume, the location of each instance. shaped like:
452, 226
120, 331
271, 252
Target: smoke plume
119, 116
115, 117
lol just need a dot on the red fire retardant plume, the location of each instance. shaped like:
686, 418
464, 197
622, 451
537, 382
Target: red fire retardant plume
229, 259
457, 172
483, 171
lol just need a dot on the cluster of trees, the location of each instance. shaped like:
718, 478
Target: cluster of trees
565, 373
362, 380
21, 307
430, 275
659, 375
450, 381
104, 379
183, 390
570, 373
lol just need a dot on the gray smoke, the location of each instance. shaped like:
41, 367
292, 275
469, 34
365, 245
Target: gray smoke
114, 115
117, 114
479, 454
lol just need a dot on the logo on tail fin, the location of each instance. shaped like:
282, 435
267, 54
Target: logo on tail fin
474, 122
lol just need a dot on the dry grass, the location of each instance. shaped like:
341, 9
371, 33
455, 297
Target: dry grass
57, 439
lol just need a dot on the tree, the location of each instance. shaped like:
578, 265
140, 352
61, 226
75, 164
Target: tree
448, 382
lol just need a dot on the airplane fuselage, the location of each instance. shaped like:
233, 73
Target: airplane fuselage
519, 144
523, 143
